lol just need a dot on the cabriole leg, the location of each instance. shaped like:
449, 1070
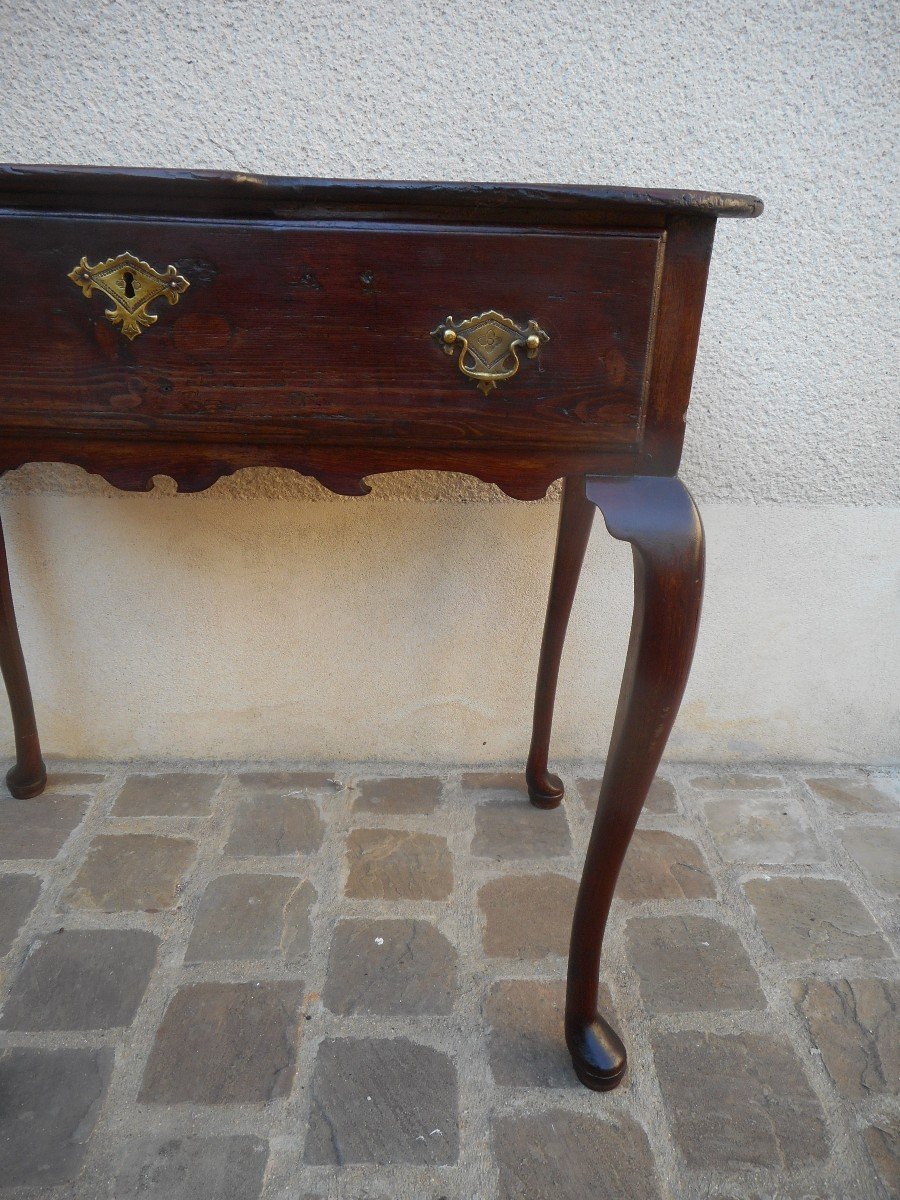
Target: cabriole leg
29, 775
576, 515
659, 518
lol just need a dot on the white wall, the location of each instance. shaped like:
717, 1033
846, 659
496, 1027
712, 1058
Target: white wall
266, 619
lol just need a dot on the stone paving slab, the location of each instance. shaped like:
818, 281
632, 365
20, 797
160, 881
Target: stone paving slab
174, 794
395, 864
203, 1168
383, 966
18, 896
663, 866
224, 1043
855, 1024
524, 1017
289, 982
81, 979
415, 794
51, 1101
382, 1101
691, 964
739, 1100
252, 917
660, 798
132, 872
573, 1156
808, 918
275, 824
38, 828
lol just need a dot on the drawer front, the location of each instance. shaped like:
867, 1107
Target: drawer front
323, 333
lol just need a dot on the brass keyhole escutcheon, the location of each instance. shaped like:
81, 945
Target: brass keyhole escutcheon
131, 284
487, 345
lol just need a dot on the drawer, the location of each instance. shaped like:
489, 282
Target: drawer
322, 333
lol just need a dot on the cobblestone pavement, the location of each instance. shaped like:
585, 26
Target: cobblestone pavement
224, 984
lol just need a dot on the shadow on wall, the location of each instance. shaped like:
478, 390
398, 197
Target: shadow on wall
210, 626
207, 626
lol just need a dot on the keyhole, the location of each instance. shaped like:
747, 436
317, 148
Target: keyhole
128, 281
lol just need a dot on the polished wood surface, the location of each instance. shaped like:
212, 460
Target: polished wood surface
660, 520
149, 191
320, 336
304, 340
28, 775
576, 515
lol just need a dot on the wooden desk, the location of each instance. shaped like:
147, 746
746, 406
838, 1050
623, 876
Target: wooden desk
191, 323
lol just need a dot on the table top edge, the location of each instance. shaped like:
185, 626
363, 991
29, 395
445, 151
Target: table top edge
73, 182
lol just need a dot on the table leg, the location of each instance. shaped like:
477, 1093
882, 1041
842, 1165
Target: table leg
659, 518
29, 775
576, 515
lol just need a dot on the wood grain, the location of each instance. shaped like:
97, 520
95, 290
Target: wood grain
303, 340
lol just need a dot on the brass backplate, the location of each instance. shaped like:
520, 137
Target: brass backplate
488, 344
131, 284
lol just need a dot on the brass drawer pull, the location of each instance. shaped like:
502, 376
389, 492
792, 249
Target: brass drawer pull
131, 284
488, 344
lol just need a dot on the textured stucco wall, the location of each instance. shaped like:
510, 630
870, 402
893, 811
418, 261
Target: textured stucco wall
792, 438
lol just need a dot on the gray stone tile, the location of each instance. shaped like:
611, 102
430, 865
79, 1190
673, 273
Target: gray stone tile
876, 850
738, 781
527, 916
192, 1168
222, 1050
739, 1102
176, 794
755, 828
390, 967
18, 896
398, 796
499, 785
785, 1192
393, 864
252, 916
854, 1022
291, 781
573, 1156
515, 829
225, 1043
883, 1144
797, 1189
663, 866
850, 797
38, 828
132, 872
814, 919
660, 798
69, 780
275, 825
51, 1100
691, 964
82, 979
382, 1101
526, 1042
